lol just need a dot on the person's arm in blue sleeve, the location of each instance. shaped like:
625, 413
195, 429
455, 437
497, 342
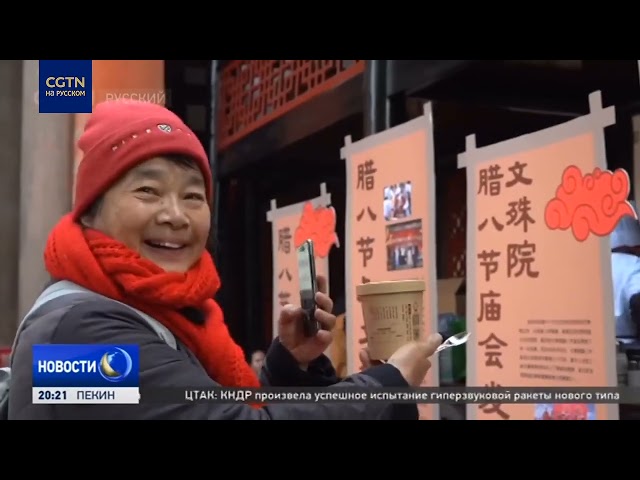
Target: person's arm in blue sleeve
282, 370
162, 366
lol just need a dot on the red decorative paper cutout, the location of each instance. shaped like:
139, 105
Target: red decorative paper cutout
318, 225
589, 204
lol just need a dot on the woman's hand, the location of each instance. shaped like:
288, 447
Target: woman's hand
290, 331
412, 359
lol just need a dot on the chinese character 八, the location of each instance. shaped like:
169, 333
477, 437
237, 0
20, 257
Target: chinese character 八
370, 212
496, 224
285, 272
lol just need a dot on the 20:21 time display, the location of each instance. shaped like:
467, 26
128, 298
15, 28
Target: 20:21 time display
52, 395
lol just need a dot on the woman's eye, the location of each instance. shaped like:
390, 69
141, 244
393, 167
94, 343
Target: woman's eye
149, 190
195, 196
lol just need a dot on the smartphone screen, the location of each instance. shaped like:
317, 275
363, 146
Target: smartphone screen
307, 279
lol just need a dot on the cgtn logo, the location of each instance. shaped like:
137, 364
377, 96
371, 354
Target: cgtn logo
86, 374
65, 86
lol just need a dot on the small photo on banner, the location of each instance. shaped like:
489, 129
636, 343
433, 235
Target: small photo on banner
540, 209
65, 86
390, 227
397, 201
292, 225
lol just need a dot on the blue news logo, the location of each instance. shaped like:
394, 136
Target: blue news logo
65, 86
86, 366
115, 365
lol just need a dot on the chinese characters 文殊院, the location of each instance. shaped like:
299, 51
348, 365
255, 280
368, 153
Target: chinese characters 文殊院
520, 258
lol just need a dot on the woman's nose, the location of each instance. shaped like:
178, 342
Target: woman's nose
173, 214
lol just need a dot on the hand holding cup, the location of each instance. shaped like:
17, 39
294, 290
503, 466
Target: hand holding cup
411, 359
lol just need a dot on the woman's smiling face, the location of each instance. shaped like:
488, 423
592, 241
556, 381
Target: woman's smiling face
158, 209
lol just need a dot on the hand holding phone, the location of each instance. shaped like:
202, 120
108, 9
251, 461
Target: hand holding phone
308, 287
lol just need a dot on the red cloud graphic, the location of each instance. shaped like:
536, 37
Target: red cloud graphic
318, 225
590, 204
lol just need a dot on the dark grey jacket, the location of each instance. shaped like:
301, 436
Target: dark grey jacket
94, 320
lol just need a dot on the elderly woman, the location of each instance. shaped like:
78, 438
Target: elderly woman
134, 246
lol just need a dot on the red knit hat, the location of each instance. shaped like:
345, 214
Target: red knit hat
119, 135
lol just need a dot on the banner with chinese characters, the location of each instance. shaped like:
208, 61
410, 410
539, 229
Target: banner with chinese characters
291, 226
540, 209
390, 224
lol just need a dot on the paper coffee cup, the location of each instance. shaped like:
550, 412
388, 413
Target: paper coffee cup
393, 314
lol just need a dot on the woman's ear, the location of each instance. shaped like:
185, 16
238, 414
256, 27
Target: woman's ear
88, 219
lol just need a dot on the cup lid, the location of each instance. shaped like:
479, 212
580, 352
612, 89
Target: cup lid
395, 286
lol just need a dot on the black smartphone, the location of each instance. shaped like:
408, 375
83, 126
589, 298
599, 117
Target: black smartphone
308, 287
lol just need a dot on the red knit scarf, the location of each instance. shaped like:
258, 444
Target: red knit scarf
105, 266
